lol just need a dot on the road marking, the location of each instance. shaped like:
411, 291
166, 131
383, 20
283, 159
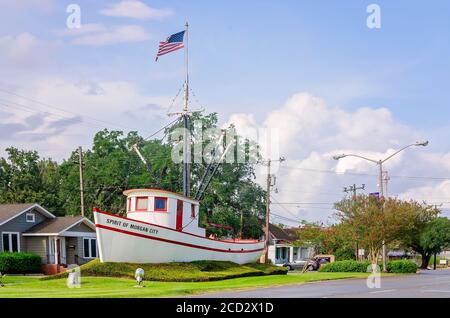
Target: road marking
382, 291
435, 291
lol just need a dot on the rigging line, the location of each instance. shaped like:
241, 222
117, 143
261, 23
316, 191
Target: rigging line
60, 109
176, 96
161, 129
195, 98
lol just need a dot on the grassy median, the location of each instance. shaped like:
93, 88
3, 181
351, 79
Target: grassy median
108, 287
199, 271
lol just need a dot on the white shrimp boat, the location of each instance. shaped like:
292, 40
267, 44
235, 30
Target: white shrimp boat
163, 226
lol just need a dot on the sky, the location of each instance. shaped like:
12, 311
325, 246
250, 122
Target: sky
312, 70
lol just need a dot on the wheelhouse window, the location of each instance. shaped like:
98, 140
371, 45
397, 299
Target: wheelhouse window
141, 203
10, 242
30, 217
90, 247
193, 211
160, 204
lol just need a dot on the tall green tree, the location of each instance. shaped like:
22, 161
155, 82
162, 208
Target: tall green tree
26, 178
111, 166
434, 238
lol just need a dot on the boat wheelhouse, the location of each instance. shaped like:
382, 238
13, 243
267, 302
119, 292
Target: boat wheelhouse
164, 208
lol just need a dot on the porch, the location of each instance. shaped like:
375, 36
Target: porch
285, 253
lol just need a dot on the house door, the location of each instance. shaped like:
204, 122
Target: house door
179, 224
58, 251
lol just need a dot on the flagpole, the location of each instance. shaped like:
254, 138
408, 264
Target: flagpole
186, 97
187, 143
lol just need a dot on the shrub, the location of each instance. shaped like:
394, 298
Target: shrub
401, 266
345, 266
19, 263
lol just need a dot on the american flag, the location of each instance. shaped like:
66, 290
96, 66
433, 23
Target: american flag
173, 43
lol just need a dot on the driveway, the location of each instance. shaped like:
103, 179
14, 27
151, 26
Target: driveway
430, 283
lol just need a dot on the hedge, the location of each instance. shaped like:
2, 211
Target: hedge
401, 266
19, 263
345, 266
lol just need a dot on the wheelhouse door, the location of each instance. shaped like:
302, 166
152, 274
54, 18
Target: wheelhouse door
179, 222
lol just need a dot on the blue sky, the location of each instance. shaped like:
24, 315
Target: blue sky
246, 57
252, 54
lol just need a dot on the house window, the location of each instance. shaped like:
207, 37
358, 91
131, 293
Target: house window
90, 247
30, 217
160, 204
10, 242
141, 203
193, 211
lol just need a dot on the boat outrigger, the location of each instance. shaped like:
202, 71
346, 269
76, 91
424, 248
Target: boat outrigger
163, 226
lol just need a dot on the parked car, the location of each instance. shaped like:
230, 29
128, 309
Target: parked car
297, 264
312, 264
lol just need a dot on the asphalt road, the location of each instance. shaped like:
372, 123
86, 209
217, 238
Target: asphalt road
435, 284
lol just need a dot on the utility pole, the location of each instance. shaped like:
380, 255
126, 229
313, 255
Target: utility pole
386, 179
80, 162
267, 232
353, 188
268, 189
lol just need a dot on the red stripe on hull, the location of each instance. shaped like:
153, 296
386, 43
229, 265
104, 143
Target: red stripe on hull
175, 242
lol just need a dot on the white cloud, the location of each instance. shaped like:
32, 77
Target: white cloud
311, 132
73, 111
23, 50
85, 28
136, 10
120, 34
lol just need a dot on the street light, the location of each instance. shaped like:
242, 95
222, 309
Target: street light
380, 177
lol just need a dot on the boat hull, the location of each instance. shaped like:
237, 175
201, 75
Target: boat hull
127, 240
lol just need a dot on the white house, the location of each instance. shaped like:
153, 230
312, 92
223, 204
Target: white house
282, 246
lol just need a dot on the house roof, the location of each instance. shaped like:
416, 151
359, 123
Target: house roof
281, 234
10, 211
7, 211
56, 225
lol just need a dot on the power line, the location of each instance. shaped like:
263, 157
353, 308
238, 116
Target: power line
62, 110
363, 174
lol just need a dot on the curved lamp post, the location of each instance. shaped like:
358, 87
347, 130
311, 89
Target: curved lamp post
380, 177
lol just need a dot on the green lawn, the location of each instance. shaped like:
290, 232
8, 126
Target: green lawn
27, 286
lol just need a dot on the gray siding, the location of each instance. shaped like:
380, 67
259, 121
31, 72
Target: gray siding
81, 228
37, 245
20, 224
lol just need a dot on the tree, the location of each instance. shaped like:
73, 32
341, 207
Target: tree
365, 219
408, 221
434, 238
111, 167
372, 221
25, 178
335, 239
